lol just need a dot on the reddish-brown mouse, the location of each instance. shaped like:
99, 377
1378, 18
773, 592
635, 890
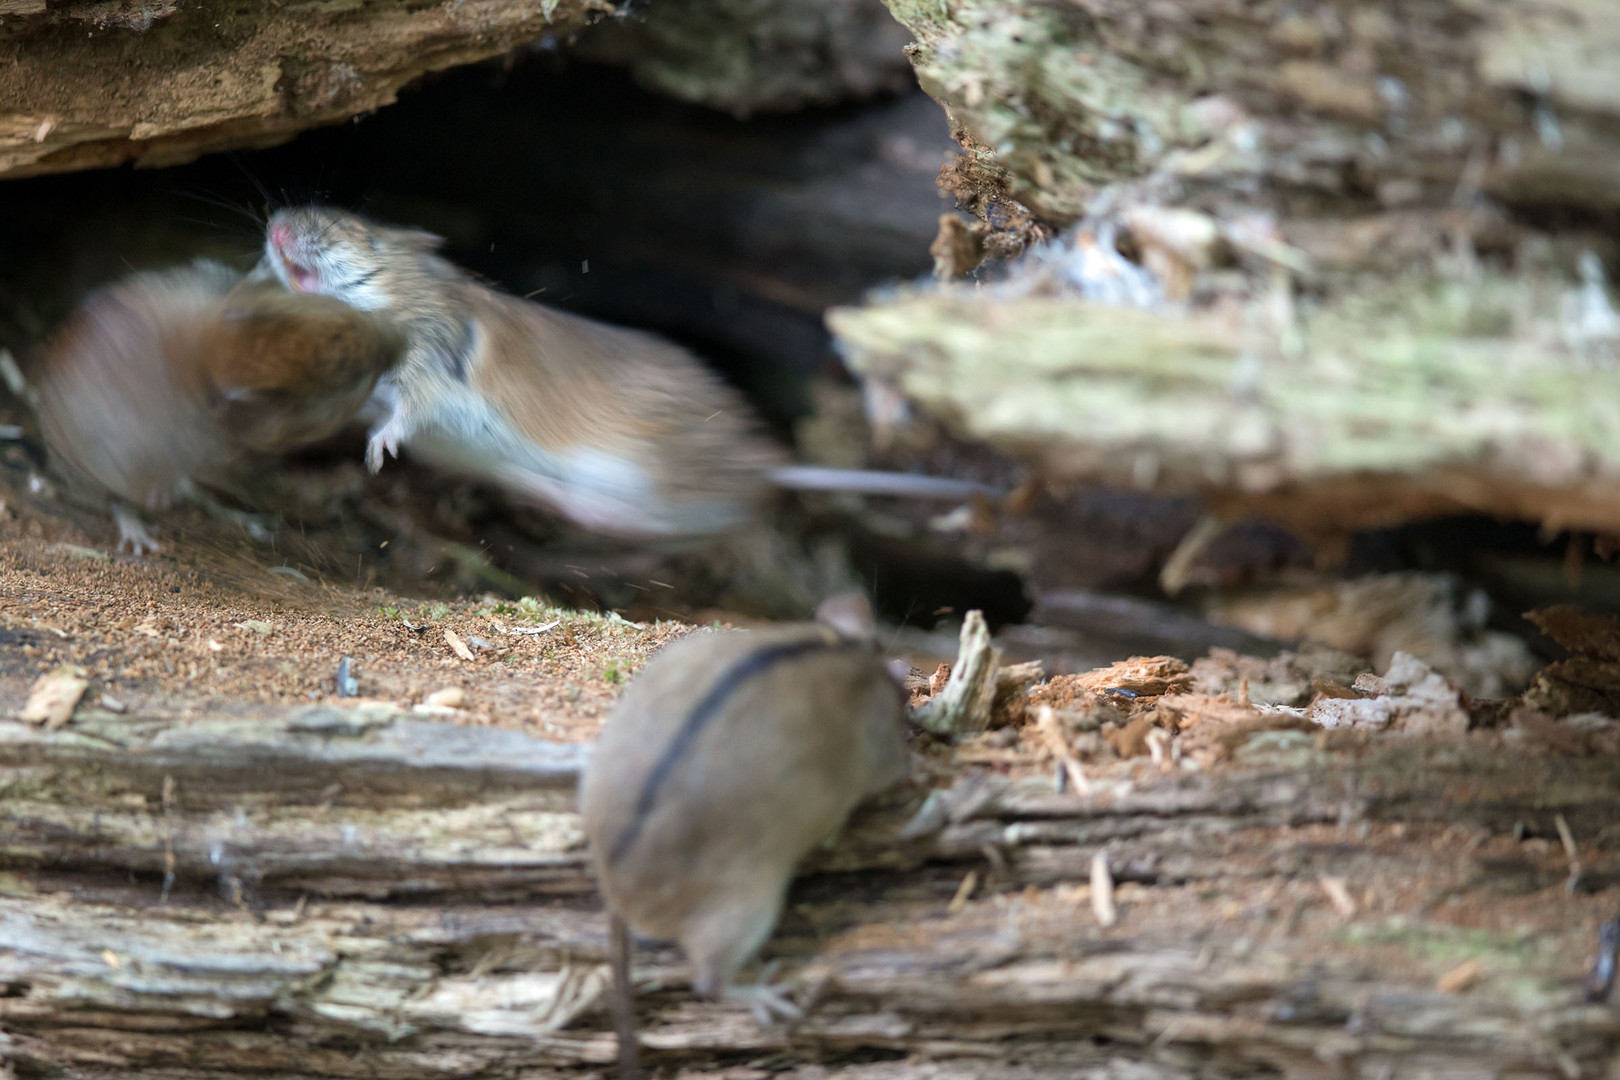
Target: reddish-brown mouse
617, 430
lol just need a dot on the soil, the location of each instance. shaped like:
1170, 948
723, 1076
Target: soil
209, 623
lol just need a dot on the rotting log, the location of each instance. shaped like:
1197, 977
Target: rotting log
90, 84
1340, 265
1394, 111
1373, 423
748, 56
409, 899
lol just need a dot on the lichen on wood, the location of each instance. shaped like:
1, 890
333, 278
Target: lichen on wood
1423, 394
1330, 102
1349, 306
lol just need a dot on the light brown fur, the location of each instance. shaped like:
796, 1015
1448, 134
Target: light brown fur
618, 430
543, 402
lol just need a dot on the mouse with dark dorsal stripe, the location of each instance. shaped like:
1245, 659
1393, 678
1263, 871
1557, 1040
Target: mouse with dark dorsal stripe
616, 430
728, 759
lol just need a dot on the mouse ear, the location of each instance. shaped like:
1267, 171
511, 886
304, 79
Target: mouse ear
850, 614
418, 240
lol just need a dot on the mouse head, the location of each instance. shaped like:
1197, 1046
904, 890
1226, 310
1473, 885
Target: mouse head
330, 252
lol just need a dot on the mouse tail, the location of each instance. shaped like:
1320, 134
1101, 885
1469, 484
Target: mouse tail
624, 1006
873, 482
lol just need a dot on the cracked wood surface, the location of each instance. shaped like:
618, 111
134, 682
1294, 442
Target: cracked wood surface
360, 893
92, 84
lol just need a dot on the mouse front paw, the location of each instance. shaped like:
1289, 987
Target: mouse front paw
384, 442
133, 535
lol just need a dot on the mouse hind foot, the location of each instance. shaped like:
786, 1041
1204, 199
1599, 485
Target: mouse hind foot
766, 999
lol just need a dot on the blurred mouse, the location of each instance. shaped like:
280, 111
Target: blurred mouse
616, 430
728, 759
163, 380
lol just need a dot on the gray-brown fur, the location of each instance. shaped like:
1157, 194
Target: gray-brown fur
728, 759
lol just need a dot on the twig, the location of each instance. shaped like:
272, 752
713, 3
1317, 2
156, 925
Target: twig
1338, 895
1571, 851
1046, 722
1102, 891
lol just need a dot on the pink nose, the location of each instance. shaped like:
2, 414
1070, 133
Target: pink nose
281, 237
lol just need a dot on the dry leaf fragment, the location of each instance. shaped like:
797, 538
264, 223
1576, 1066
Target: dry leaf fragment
457, 646
54, 697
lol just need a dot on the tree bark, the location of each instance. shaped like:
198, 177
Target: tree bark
408, 899
1344, 268
90, 84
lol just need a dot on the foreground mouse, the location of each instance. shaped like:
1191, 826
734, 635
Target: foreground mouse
161, 381
617, 430
729, 757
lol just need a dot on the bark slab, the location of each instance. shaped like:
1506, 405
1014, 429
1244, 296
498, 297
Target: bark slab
356, 893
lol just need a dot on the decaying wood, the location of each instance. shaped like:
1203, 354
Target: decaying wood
88, 84
406, 899
1373, 423
963, 705
748, 56
1317, 279
1340, 105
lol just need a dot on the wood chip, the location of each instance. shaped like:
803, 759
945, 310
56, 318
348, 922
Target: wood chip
1102, 891
451, 697
1046, 722
962, 707
1459, 978
531, 630
457, 646
1571, 850
963, 892
54, 697
79, 551
1338, 895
